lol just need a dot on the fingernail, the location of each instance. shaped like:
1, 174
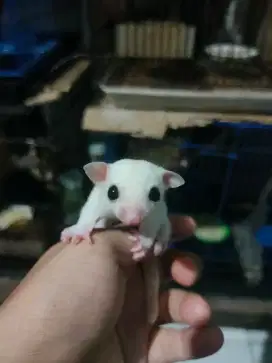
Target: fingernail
192, 262
189, 263
207, 342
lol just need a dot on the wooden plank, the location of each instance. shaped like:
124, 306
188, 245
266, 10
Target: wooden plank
154, 124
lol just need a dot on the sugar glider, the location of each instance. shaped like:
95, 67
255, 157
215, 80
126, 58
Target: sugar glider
131, 192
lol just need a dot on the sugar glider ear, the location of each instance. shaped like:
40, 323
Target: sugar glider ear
96, 171
172, 180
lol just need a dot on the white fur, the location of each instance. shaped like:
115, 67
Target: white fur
134, 179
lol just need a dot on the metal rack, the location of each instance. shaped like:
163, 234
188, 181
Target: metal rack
201, 55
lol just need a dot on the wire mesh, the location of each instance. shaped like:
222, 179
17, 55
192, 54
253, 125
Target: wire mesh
244, 201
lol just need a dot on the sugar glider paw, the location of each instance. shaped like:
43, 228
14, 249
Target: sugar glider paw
76, 234
141, 247
139, 252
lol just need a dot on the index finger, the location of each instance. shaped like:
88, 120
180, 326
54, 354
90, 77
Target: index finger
183, 267
182, 226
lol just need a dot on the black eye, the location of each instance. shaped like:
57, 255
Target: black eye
154, 194
113, 192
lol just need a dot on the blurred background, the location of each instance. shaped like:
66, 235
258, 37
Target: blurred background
185, 84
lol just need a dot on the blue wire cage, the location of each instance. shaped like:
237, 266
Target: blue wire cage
226, 179
237, 169
20, 49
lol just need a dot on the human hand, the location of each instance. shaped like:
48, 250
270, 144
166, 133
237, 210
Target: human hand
176, 306
72, 303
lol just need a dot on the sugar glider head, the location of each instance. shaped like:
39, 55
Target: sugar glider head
132, 187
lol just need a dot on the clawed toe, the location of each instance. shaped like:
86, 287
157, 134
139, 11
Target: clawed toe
65, 237
77, 239
137, 248
75, 235
138, 256
141, 247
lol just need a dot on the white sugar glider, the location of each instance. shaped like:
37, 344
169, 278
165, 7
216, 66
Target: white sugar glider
131, 192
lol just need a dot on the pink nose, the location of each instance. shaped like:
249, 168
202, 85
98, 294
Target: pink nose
131, 217
134, 221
